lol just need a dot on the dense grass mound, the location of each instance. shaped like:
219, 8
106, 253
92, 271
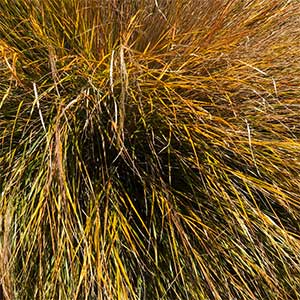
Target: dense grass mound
150, 149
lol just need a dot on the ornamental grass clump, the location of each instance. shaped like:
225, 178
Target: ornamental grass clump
150, 149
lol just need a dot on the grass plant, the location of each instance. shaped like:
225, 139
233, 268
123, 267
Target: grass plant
150, 149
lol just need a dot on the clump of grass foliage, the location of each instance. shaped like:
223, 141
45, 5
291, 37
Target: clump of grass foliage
150, 149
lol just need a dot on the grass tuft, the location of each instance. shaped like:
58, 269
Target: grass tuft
149, 149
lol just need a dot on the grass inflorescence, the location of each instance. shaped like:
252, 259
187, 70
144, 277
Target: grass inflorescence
149, 149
